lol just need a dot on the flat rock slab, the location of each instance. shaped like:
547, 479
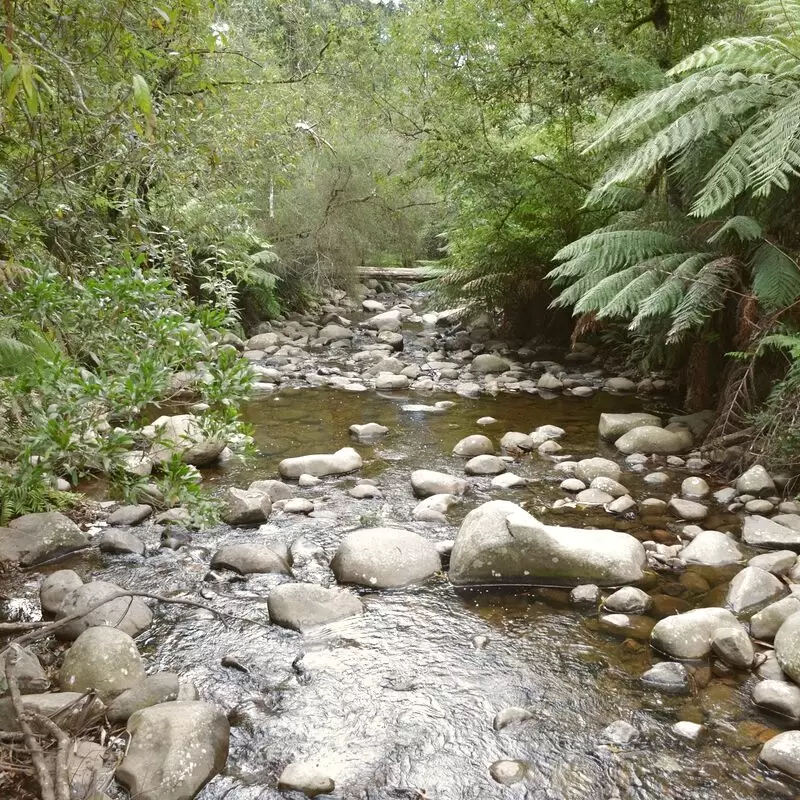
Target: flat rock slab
249, 558
130, 515
159, 688
34, 538
302, 606
759, 531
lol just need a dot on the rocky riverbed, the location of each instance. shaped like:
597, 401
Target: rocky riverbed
469, 572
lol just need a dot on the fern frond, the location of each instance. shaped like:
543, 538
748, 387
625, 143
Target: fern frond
775, 276
621, 246
746, 229
606, 289
630, 296
782, 16
748, 54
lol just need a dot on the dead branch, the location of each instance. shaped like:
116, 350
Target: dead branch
63, 743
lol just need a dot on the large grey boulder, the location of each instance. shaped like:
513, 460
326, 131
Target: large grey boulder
320, 464
245, 506
275, 490
485, 465
31, 678
689, 635
434, 508
612, 426
767, 622
130, 515
247, 558
102, 659
752, 589
756, 481
711, 549
301, 606
782, 752
733, 647
34, 538
182, 435
426, 482
55, 587
486, 363
650, 439
118, 542
590, 468
475, 445
154, 689
780, 697
385, 558
687, 509
334, 333
787, 647
499, 542
175, 749
759, 531
130, 614
386, 321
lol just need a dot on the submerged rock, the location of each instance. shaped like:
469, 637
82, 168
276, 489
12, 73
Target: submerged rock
339, 463
612, 426
667, 676
302, 606
499, 542
249, 558
425, 483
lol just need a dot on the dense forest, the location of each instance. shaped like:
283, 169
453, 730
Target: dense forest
622, 172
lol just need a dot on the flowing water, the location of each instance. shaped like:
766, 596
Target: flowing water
399, 703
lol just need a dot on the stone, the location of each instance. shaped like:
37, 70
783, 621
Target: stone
34, 538
487, 363
770, 669
779, 697
385, 558
247, 558
619, 385
102, 659
788, 520
514, 440
113, 540
245, 506
669, 677
650, 439
174, 750
181, 434
363, 491
369, 431
388, 320
500, 542
593, 497
263, 341
549, 383
572, 485
305, 777
508, 772
425, 482
656, 478
300, 505
695, 488
339, 463
302, 606
547, 432
587, 594
767, 622
755, 481
782, 752
434, 508
779, 562
609, 486
486, 421
307, 481
388, 382
548, 448
711, 549
158, 688
787, 647
474, 445
733, 647
31, 678
334, 333
130, 614
620, 732
509, 481
485, 465
685, 729
612, 426
130, 515
759, 531
725, 496
687, 509
628, 600
275, 490
752, 589
689, 635
137, 462
590, 468
71, 711
622, 505
511, 716
55, 587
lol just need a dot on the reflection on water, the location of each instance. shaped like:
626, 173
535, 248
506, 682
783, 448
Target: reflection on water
399, 703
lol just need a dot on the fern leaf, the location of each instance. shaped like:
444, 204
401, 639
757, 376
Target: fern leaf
748, 54
605, 290
775, 276
621, 247
746, 229
782, 16
631, 295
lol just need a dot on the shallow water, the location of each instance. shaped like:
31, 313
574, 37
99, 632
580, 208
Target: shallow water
399, 703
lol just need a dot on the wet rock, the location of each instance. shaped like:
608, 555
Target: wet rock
548, 448
486, 421
487, 363
724, 496
102, 659
609, 486
263, 341
275, 490
513, 440
434, 508
305, 777
425, 482
364, 491
689, 635
31, 678
369, 431
787, 647
590, 468
619, 385
245, 507
508, 772
572, 485
669, 677
474, 445
620, 732
499, 542
733, 647
300, 505
485, 465
384, 558
650, 439
789, 520
588, 594
782, 752
779, 697
114, 540
762, 532
302, 606
511, 716
509, 481
685, 729
71, 711
306, 481
770, 669
175, 749
549, 383
249, 558
778, 562
656, 478
181, 434
338, 463
759, 507
468, 389
628, 600
767, 622
711, 549
130, 515
612, 426
687, 509
387, 382
130, 614
755, 481
334, 333
593, 497
34, 538
695, 488
622, 505
55, 587
158, 688
752, 589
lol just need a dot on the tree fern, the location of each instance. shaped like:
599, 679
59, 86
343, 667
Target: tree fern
747, 54
783, 16
775, 276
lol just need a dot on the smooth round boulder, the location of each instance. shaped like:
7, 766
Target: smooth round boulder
590, 468
305, 777
485, 465
650, 439
787, 647
321, 464
508, 480
383, 558
628, 600
514, 440
687, 509
249, 558
695, 488
486, 363
782, 752
711, 549
508, 772
426, 482
55, 587
688, 636
474, 445
302, 606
